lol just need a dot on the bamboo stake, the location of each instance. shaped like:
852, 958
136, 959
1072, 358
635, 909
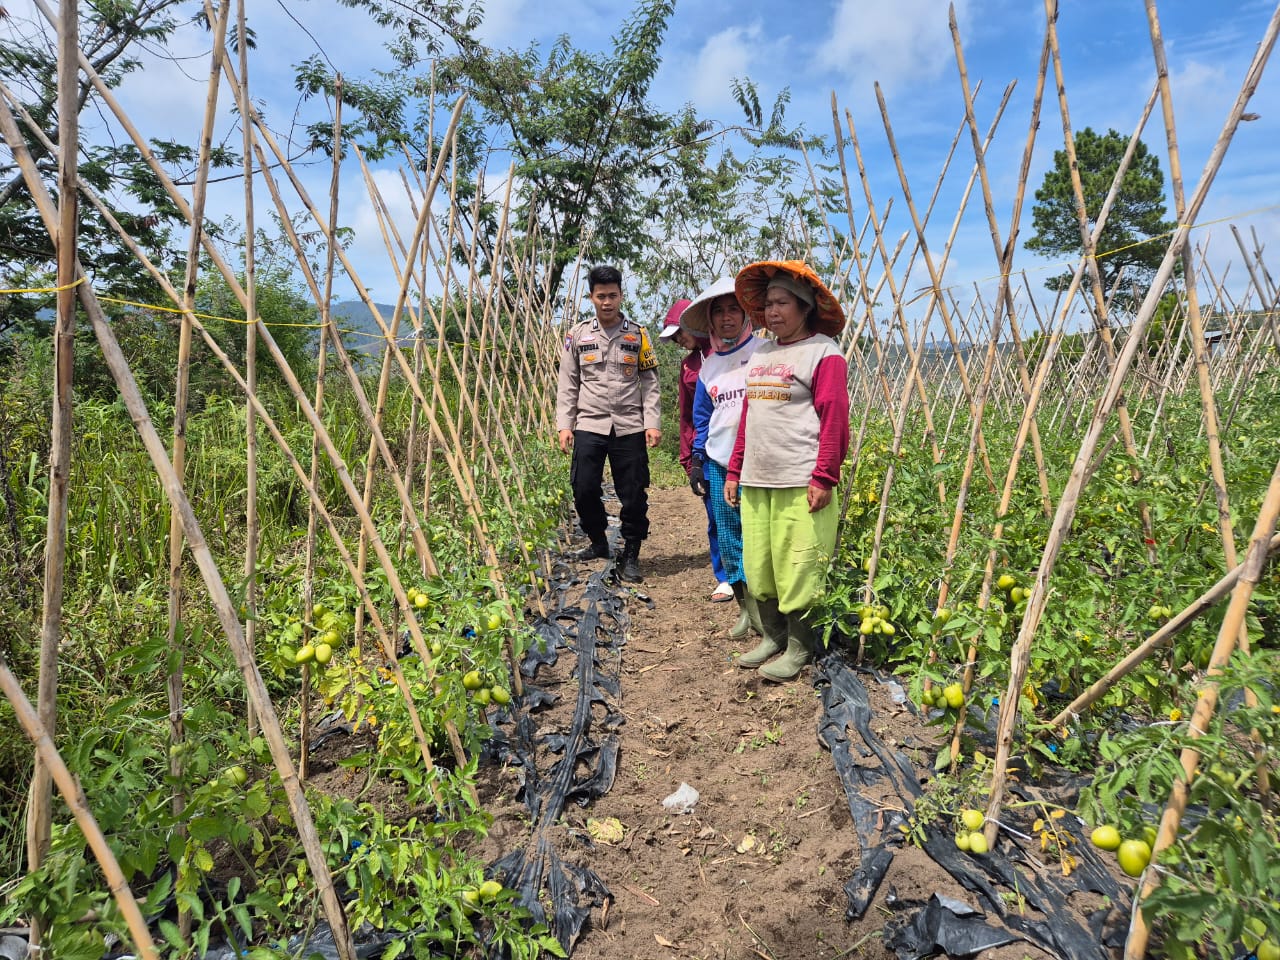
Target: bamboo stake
1106, 403
366, 519
917, 380
227, 614
291, 381
56, 768
1233, 623
182, 387
326, 330
1005, 256
935, 274
458, 469
252, 531
466, 403
65, 237
1208, 404
379, 407
1028, 418
914, 356
1102, 321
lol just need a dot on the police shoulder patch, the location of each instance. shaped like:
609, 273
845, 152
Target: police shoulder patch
648, 359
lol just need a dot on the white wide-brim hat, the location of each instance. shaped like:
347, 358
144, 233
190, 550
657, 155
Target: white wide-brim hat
697, 316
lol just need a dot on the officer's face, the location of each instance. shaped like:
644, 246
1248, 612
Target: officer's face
607, 299
727, 317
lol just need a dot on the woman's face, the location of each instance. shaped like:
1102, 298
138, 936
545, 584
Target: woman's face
686, 339
784, 314
727, 318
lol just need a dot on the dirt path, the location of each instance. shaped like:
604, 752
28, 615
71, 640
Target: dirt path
757, 869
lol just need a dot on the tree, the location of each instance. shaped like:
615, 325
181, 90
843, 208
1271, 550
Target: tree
733, 195
601, 174
586, 143
1137, 215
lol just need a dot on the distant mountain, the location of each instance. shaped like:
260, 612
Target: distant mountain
360, 332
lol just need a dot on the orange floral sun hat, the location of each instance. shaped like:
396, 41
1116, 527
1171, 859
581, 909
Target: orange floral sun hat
752, 284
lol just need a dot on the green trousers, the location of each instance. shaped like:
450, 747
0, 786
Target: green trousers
785, 548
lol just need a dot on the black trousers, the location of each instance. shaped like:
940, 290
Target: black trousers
629, 460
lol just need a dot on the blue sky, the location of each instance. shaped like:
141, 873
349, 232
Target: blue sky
815, 48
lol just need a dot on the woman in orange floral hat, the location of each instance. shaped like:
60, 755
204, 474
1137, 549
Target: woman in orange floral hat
786, 463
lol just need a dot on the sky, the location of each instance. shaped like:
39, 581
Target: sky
817, 48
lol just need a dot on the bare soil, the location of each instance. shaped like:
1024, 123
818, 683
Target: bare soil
757, 868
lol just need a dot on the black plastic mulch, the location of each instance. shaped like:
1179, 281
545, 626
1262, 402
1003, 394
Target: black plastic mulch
585, 753
942, 924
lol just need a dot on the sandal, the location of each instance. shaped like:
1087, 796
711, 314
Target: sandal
722, 593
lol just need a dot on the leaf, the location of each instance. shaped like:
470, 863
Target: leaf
204, 860
205, 828
943, 759
256, 803
157, 894
664, 942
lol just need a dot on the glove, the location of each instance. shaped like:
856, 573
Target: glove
697, 481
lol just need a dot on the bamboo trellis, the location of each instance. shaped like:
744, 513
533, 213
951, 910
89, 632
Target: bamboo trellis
503, 372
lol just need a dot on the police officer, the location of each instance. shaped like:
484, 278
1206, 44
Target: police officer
607, 406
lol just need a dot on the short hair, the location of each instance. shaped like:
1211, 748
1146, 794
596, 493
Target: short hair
603, 275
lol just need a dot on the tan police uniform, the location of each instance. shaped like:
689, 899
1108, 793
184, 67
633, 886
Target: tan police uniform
608, 380
608, 396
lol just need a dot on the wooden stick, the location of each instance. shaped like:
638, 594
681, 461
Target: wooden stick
935, 274
219, 596
252, 532
1208, 403
1102, 321
182, 389
65, 237
308, 483
1004, 255
1168, 630
326, 330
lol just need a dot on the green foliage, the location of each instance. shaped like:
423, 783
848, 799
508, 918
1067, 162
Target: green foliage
1222, 869
1137, 215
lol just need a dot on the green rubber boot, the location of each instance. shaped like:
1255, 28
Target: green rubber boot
746, 622
773, 632
801, 647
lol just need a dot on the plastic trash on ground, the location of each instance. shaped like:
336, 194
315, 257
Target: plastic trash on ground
683, 800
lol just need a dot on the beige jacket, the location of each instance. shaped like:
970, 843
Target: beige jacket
608, 380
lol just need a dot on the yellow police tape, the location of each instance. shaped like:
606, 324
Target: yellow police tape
68, 286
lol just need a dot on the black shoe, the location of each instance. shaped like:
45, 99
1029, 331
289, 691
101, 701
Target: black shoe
629, 562
598, 550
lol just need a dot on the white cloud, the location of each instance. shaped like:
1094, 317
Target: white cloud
724, 57
900, 44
